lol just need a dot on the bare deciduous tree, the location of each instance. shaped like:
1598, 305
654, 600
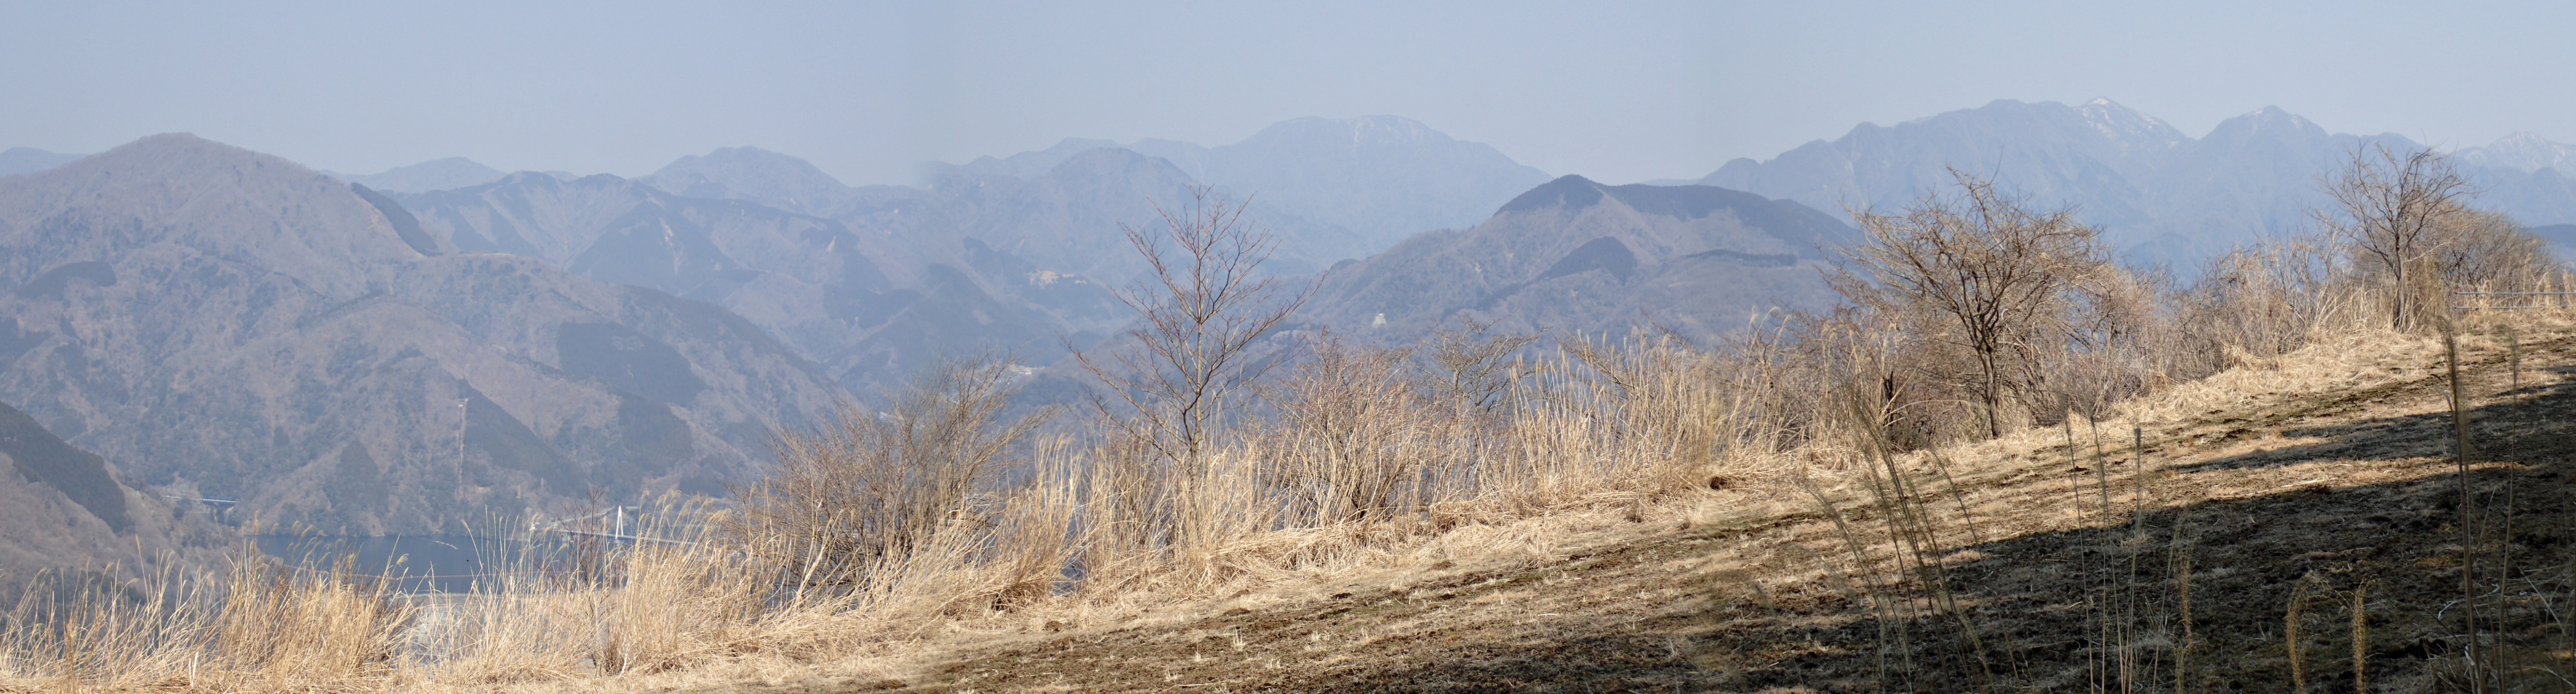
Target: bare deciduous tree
1201, 313
2392, 211
1996, 272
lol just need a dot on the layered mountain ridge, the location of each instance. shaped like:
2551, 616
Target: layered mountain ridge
1383, 178
435, 174
18, 160
1578, 257
2159, 195
233, 324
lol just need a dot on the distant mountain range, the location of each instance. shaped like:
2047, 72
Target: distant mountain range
234, 325
2158, 194
898, 278
765, 177
18, 160
2524, 151
197, 320
437, 174
1574, 256
1384, 178
1013, 255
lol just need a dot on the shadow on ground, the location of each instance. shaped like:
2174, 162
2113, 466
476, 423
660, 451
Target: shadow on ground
2063, 611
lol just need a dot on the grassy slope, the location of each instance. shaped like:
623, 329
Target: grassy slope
2332, 462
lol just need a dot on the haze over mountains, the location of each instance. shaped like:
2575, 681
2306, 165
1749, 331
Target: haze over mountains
435, 174
1575, 256
444, 340
1382, 177
18, 160
231, 324
2158, 194
1008, 255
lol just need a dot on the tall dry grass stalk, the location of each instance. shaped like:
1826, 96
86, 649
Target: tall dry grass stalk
259, 626
2361, 638
2180, 560
1371, 446
2293, 635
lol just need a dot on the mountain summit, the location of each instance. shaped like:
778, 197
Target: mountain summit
2137, 132
437, 174
1385, 177
1575, 256
2523, 151
755, 174
1382, 178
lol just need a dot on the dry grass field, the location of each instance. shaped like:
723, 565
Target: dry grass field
2325, 474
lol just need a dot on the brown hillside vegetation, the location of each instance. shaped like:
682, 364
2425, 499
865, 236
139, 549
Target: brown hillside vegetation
2323, 474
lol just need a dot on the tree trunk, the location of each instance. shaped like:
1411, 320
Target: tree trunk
1994, 399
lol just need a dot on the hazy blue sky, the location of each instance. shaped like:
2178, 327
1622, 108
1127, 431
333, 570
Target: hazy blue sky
1617, 91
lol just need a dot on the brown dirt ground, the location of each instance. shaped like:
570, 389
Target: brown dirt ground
2346, 481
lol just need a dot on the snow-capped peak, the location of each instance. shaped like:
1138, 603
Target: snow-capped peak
2127, 126
2526, 150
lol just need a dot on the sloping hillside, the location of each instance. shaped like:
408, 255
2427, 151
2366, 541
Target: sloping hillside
2324, 476
993, 263
212, 318
65, 510
1577, 256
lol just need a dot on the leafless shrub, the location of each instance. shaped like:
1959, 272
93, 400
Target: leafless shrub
1999, 276
1350, 436
871, 486
2482, 250
1473, 366
2406, 223
2259, 302
2116, 343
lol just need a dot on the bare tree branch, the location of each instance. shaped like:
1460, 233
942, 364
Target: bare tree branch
1205, 306
2000, 273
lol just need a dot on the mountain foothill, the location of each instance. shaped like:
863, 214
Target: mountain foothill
411, 351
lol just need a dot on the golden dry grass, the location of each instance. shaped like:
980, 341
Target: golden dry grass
1641, 494
2312, 464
